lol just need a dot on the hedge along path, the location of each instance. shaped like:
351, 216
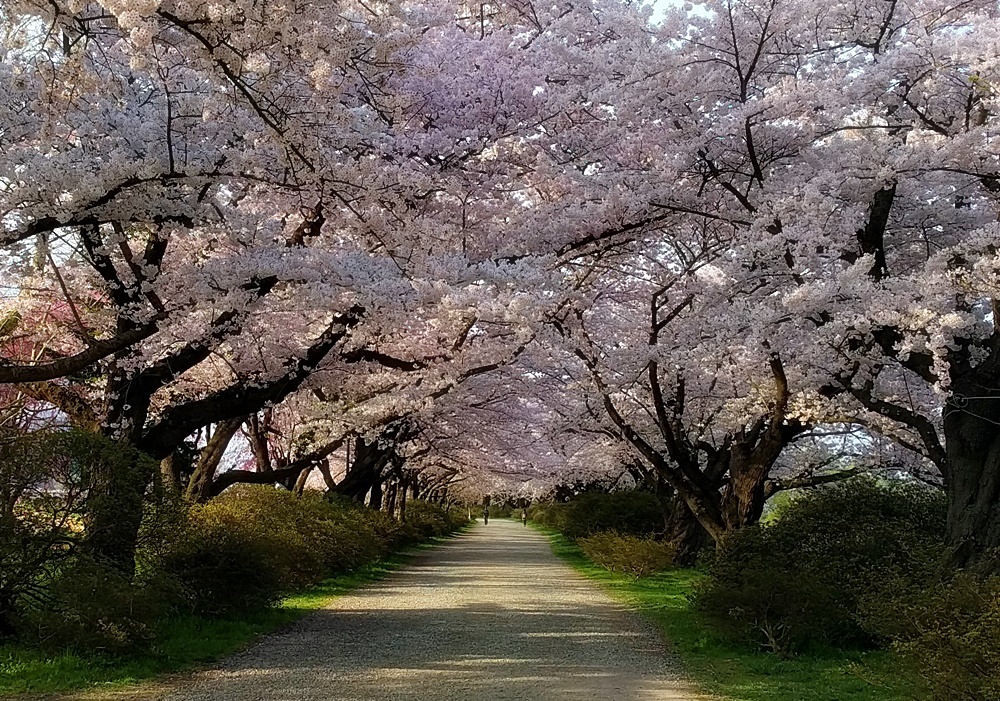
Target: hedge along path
492, 615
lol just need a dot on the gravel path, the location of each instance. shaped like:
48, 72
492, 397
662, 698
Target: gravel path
492, 615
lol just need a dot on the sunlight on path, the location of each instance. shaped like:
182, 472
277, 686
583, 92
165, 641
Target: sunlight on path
492, 615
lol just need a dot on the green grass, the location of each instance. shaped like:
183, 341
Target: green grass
183, 644
734, 672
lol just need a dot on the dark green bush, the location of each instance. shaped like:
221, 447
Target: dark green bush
226, 564
41, 499
948, 631
240, 552
800, 581
253, 545
348, 535
635, 512
426, 520
94, 608
503, 510
632, 555
454, 518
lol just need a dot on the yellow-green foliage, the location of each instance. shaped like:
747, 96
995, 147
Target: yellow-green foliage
253, 545
634, 512
231, 557
627, 554
43, 481
425, 520
950, 631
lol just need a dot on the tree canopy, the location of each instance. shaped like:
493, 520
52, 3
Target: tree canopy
742, 245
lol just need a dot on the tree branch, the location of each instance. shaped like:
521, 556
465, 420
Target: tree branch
179, 421
779, 484
15, 374
229, 478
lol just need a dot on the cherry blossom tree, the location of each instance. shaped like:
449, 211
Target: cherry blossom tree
849, 149
221, 200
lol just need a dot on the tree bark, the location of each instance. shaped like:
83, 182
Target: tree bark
686, 534
170, 474
745, 493
257, 432
324, 469
288, 475
390, 506
402, 500
375, 498
114, 505
300, 483
365, 470
972, 445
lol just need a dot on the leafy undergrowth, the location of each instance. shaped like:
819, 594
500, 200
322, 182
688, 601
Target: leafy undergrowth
736, 673
184, 643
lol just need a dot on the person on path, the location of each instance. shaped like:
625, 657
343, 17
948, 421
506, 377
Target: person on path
524, 517
486, 515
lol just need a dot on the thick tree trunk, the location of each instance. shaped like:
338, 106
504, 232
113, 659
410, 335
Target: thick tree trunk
365, 470
744, 496
118, 474
390, 507
375, 498
170, 474
972, 446
324, 469
300, 483
750, 461
257, 434
686, 535
114, 506
402, 500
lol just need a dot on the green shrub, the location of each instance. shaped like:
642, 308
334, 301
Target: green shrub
426, 520
547, 515
248, 548
635, 512
800, 581
502, 510
94, 608
949, 632
454, 518
348, 535
627, 554
253, 545
225, 566
39, 525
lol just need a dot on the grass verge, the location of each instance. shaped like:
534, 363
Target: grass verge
183, 644
725, 669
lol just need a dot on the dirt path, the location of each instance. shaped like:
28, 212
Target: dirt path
491, 616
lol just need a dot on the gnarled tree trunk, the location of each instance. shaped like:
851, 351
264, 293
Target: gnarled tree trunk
972, 446
686, 534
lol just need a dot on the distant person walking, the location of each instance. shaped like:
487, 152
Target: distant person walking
486, 515
524, 517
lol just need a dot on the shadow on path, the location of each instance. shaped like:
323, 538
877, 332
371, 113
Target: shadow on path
491, 615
